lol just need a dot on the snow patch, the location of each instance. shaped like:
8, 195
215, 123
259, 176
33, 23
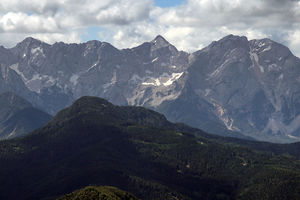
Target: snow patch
155, 59
11, 134
157, 82
94, 65
150, 83
174, 77
293, 137
165, 79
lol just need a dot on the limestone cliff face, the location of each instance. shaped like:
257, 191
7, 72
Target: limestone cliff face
234, 84
249, 86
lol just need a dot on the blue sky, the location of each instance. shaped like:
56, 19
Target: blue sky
168, 3
93, 32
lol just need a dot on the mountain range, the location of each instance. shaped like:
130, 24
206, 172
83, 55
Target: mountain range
94, 142
233, 87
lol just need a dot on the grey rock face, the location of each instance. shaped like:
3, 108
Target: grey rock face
233, 84
250, 86
18, 117
55, 75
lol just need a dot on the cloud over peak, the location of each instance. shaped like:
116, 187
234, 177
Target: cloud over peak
126, 23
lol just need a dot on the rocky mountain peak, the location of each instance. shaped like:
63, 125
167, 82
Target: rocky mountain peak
30, 41
93, 44
230, 42
232, 37
160, 41
269, 47
29, 46
261, 45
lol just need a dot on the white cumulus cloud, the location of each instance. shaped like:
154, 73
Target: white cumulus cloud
197, 23
127, 23
65, 20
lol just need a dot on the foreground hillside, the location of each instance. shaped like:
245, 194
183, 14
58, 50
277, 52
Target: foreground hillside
96, 193
137, 150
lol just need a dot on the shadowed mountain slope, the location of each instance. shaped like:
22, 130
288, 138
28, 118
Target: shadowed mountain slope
137, 150
18, 117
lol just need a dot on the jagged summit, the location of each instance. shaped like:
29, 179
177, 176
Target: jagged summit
230, 42
31, 41
157, 43
267, 45
233, 37
160, 41
160, 38
93, 43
